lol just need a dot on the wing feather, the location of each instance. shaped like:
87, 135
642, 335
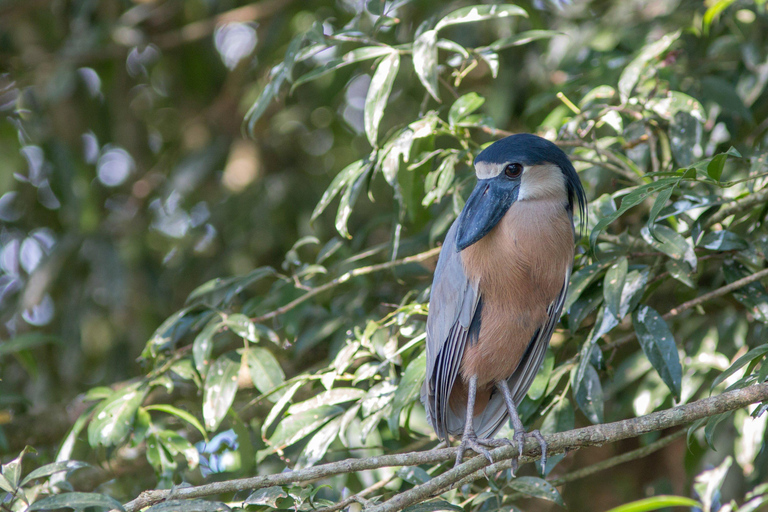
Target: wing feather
452, 305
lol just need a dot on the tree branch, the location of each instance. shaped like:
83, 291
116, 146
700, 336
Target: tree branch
346, 277
701, 299
558, 443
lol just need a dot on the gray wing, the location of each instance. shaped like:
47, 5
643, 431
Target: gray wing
520, 381
452, 305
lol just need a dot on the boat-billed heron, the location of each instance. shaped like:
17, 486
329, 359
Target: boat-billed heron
498, 291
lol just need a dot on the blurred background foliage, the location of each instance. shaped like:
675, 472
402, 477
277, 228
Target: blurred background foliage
173, 172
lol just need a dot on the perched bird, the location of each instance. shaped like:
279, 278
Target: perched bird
498, 291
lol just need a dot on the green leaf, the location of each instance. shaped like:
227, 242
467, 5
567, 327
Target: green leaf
113, 418
659, 347
353, 56
196, 505
521, 38
538, 488
297, 426
580, 280
348, 200
277, 76
753, 295
378, 94
440, 180
656, 503
722, 240
346, 176
407, 390
681, 271
540, 382
53, 468
181, 414
464, 106
715, 166
77, 501
425, 61
613, 286
588, 393
658, 205
279, 407
330, 397
25, 341
433, 506
203, 345
266, 372
709, 482
673, 102
671, 243
480, 12
267, 496
315, 449
177, 445
633, 198
242, 326
713, 11
739, 363
219, 390
632, 73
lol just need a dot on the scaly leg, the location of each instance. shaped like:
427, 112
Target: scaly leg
518, 426
469, 438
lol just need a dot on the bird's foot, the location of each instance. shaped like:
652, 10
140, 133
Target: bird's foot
519, 437
476, 445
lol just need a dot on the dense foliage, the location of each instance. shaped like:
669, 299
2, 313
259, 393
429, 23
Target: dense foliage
219, 224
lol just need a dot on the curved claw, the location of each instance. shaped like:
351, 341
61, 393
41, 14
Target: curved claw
475, 445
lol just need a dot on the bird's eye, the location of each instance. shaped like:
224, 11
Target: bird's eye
513, 170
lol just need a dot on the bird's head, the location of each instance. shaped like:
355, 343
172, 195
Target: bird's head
521, 167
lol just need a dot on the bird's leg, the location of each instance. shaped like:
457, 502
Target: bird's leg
520, 432
469, 438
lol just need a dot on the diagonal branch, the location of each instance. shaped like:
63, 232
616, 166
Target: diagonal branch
361, 271
558, 443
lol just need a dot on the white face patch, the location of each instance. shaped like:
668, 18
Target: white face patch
485, 170
542, 181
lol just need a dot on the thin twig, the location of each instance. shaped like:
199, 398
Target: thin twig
685, 306
564, 441
346, 277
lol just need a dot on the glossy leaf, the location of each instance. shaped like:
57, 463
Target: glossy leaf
267, 496
113, 418
219, 390
77, 501
479, 13
378, 95
433, 506
659, 347
747, 358
657, 503
425, 61
181, 414
351, 57
348, 175
538, 488
242, 326
53, 468
315, 449
332, 396
203, 345
613, 286
407, 389
266, 373
464, 106
708, 483
632, 73
671, 243
722, 240
189, 506
754, 295
522, 38
588, 393
297, 426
